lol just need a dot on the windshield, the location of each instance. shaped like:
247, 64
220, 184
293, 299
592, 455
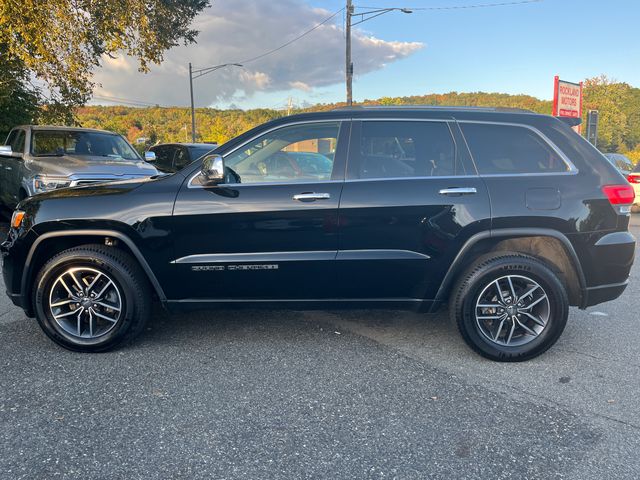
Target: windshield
46, 143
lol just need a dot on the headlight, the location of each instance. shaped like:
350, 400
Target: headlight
43, 183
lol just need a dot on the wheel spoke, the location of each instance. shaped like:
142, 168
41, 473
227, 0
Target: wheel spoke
535, 302
534, 318
106, 305
67, 314
514, 298
75, 280
513, 328
530, 291
61, 303
109, 319
489, 305
497, 283
495, 338
91, 322
526, 329
95, 279
490, 317
63, 283
104, 289
80, 321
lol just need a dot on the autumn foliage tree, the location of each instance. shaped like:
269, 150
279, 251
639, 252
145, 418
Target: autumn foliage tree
61, 42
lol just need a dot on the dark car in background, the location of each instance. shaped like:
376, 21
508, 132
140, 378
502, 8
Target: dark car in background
171, 157
509, 217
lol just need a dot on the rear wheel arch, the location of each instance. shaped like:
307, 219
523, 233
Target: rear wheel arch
49, 244
550, 246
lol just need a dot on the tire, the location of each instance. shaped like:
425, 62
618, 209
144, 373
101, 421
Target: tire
115, 316
490, 330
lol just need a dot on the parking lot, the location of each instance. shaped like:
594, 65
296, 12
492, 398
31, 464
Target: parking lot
357, 394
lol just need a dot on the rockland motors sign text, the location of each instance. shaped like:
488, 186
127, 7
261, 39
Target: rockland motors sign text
567, 99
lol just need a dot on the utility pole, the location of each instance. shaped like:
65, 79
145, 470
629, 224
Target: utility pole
193, 110
349, 63
193, 74
363, 17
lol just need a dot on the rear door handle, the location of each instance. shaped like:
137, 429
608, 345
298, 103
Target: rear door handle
458, 191
8, 168
311, 196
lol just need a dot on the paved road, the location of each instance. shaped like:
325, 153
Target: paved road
361, 394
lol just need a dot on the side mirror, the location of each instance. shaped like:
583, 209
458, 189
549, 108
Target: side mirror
213, 169
5, 150
150, 156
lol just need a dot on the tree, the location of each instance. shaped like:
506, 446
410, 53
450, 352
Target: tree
60, 42
18, 99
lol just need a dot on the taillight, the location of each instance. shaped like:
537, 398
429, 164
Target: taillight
633, 178
619, 194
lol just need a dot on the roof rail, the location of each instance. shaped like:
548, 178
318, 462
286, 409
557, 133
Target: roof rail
435, 107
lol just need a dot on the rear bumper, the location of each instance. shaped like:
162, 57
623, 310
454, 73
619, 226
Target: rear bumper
610, 260
603, 293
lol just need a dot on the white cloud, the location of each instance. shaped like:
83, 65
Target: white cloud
237, 30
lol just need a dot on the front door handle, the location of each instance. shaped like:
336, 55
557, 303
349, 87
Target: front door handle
458, 191
8, 168
311, 197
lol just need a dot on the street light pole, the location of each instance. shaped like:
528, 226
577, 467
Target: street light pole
193, 110
193, 74
364, 16
349, 64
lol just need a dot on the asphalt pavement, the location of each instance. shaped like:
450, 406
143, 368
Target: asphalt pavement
357, 394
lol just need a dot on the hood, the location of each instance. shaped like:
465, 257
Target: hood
68, 165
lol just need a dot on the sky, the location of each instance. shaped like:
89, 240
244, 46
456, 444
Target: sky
509, 49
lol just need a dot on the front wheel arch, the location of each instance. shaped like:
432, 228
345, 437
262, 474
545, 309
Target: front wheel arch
51, 243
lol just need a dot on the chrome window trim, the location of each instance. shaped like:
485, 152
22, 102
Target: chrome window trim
572, 169
235, 149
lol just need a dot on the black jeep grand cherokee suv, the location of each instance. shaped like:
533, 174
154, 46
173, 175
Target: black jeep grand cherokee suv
508, 216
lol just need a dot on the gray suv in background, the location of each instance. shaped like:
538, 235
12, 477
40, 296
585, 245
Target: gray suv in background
37, 159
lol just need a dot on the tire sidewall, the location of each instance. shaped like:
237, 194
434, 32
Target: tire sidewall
42, 289
537, 272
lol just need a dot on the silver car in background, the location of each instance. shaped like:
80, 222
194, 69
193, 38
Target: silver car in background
36, 159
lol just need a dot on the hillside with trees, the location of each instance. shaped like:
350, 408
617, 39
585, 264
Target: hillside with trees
618, 103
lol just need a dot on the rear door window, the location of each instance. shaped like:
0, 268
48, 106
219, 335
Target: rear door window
401, 149
510, 149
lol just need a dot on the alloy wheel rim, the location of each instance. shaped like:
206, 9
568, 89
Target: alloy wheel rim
85, 303
512, 310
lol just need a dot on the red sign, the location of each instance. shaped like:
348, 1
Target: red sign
567, 99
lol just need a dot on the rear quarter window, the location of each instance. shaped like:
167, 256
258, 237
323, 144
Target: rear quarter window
510, 149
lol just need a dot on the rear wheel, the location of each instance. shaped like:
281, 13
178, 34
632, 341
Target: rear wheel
91, 298
510, 307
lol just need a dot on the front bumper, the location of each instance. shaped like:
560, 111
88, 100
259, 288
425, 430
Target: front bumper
14, 251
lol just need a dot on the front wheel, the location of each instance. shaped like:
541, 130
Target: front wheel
510, 307
91, 298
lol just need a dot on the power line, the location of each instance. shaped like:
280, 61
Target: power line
460, 7
293, 40
128, 101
